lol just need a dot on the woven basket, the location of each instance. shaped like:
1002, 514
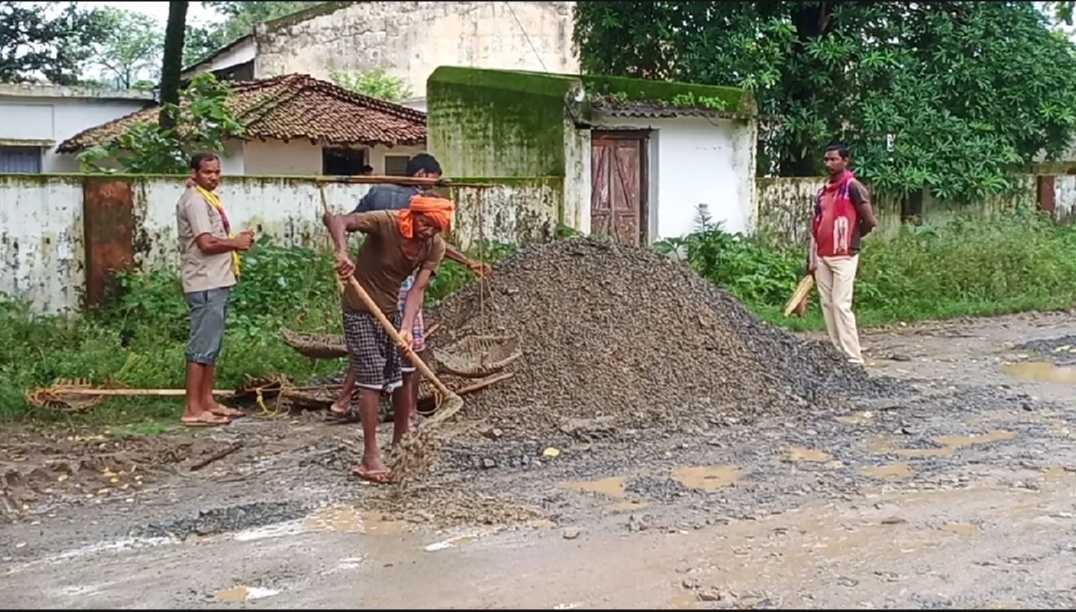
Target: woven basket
315, 346
319, 399
478, 356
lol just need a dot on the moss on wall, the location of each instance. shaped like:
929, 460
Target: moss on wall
497, 122
671, 92
317, 10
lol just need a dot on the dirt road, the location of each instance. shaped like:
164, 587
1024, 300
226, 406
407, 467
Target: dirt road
959, 496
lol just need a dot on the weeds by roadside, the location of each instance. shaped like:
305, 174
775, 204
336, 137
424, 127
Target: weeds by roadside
983, 267
138, 337
969, 267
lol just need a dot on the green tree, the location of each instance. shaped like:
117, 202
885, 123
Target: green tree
48, 42
203, 122
199, 42
947, 95
130, 52
241, 17
238, 20
1062, 11
374, 83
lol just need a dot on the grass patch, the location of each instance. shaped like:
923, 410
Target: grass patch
138, 337
982, 266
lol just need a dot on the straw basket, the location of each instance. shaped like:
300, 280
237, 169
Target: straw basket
478, 356
315, 346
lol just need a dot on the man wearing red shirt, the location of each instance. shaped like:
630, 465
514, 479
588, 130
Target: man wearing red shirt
842, 217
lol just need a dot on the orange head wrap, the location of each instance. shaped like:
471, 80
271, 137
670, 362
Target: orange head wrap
436, 209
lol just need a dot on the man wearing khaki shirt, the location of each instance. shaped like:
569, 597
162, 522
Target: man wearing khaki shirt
209, 268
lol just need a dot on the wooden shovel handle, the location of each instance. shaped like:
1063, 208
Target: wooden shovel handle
325, 207
395, 335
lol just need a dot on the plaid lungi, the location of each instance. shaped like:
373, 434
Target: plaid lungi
418, 330
373, 355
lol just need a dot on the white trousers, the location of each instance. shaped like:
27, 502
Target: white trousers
835, 278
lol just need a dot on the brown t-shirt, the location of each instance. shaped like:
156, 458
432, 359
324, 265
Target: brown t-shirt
198, 271
382, 266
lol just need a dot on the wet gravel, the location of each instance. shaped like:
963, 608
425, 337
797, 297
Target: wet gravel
225, 520
1060, 350
623, 333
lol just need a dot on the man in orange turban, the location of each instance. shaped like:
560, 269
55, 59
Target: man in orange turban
390, 196
398, 243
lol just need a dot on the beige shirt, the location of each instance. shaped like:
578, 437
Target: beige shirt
198, 271
382, 265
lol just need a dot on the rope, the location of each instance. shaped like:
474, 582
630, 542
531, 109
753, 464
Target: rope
482, 283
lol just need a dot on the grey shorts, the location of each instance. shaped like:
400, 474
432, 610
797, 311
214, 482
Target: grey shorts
209, 311
374, 357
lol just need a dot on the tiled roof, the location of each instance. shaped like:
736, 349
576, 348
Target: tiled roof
293, 107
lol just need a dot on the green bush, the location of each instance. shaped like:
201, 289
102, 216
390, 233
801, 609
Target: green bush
971, 266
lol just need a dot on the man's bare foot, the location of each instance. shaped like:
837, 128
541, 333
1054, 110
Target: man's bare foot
415, 420
225, 411
373, 470
204, 419
340, 407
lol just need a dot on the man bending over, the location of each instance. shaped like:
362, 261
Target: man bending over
396, 197
398, 243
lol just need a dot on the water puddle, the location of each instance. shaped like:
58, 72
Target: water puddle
1041, 371
802, 453
612, 486
239, 594
890, 471
961, 441
346, 519
960, 528
707, 478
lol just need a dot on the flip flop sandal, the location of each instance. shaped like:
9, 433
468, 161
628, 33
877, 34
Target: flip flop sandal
206, 419
378, 477
228, 412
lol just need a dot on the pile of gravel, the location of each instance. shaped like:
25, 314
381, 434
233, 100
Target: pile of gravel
624, 333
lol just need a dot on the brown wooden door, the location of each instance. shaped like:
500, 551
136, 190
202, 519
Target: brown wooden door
618, 186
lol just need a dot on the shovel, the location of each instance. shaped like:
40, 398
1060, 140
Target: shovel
452, 402
802, 289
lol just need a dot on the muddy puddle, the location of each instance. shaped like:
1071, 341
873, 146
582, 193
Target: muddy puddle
240, 594
349, 519
612, 489
890, 471
1041, 372
707, 478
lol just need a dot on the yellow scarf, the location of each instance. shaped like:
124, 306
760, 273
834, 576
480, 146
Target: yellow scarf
214, 201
